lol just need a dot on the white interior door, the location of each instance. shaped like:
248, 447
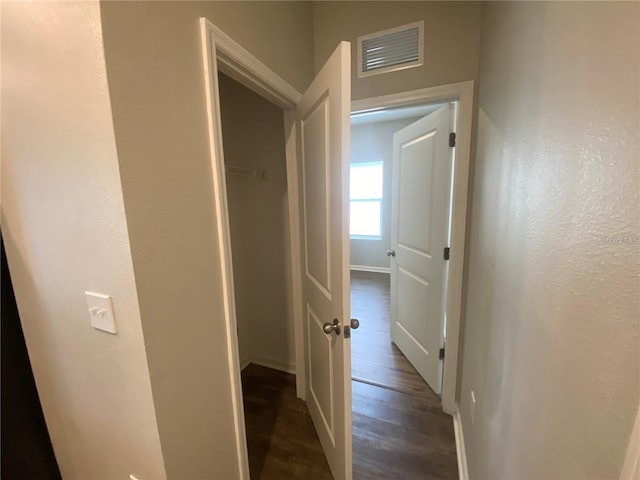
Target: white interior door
323, 122
419, 234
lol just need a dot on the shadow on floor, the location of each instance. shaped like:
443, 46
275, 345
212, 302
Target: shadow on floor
281, 438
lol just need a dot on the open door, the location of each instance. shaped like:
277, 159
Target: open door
419, 235
323, 125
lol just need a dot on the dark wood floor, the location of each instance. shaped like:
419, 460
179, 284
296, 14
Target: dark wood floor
399, 429
281, 438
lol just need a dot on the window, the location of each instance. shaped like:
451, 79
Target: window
365, 187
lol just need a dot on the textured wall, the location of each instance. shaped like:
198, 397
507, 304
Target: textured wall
551, 343
258, 216
451, 33
156, 81
64, 225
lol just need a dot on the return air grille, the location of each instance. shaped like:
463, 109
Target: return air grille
391, 50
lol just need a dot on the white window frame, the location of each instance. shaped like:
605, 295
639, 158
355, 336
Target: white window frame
393, 68
381, 199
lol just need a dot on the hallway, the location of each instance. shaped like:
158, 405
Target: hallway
399, 429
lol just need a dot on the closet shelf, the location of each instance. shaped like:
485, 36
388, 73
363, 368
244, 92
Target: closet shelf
245, 172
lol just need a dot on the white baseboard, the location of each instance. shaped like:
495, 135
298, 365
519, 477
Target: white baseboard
272, 363
244, 362
461, 453
364, 268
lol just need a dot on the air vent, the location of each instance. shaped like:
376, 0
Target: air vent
390, 50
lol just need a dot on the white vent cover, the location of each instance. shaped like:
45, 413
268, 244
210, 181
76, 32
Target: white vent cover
390, 50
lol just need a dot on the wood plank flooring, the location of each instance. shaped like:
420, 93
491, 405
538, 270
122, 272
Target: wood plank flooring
281, 438
399, 429
374, 359
400, 436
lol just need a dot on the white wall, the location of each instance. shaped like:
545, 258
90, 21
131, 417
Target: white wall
63, 223
154, 64
451, 33
551, 343
374, 142
253, 137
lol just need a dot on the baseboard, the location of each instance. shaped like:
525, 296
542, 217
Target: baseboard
461, 453
244, 362
364, 268
272, 363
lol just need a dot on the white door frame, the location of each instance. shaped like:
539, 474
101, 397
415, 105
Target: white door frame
222, 53
462, 93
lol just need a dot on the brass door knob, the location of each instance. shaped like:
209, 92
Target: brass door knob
355, 323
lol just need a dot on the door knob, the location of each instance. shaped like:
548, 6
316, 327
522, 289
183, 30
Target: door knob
355, 323
391, 253
330, 328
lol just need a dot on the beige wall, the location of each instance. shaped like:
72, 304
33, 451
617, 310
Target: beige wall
64, 227
551, 336
369, 143
154, 64
451, 35
253, 137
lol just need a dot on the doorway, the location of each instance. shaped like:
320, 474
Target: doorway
280, 436
390, 388
372, 159
316, 126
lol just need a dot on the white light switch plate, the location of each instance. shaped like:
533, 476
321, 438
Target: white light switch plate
101, 312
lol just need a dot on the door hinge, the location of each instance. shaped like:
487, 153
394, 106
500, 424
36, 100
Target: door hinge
441, 355
447, 252
452, 139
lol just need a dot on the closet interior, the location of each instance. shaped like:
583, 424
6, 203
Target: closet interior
256, 180
280, 435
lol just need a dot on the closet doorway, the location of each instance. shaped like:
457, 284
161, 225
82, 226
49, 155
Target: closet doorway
279, 432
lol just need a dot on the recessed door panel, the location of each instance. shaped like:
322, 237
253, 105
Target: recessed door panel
316, 169
416, 176
413, 298
320, 370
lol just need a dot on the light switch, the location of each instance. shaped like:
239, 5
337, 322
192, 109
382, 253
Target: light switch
101, 312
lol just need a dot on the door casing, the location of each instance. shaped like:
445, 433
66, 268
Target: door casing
222, 54
462, 93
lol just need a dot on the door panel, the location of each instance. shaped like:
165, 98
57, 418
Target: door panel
419, 234
315, 170
321, 371
323, 124
415, 172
